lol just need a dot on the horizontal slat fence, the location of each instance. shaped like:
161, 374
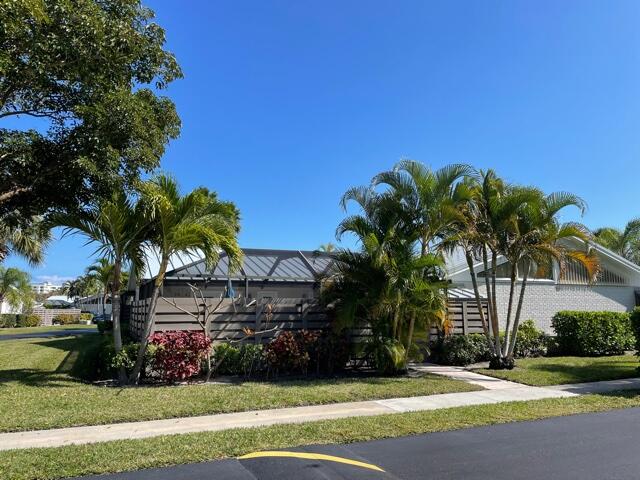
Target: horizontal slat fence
230, 320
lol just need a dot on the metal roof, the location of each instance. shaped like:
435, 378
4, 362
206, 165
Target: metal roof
257, 264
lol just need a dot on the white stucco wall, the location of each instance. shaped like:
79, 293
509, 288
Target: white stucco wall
544, 299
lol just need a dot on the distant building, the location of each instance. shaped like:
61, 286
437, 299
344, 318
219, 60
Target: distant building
45, 287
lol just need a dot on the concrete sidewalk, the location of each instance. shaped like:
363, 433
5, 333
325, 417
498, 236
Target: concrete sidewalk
496, 391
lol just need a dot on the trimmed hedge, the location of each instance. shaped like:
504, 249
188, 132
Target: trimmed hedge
635, 324
460, 350
8, 320
591, 334
28, 320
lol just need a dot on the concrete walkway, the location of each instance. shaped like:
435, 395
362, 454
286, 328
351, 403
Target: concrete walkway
496, 391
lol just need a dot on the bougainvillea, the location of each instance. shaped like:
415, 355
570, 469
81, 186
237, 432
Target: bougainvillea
179, 354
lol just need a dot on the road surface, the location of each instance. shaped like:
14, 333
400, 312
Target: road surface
581, 447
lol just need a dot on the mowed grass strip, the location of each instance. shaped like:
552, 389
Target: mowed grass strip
126, 455
53, 328
560, 370
38, 391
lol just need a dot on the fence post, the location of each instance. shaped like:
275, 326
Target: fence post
258, 338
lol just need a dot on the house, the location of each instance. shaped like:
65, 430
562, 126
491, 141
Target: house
548, 292
95, 304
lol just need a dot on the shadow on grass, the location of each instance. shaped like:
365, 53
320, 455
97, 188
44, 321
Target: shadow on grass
591, 372
77, 365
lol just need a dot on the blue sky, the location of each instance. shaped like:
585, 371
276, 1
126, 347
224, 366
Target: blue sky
285, 104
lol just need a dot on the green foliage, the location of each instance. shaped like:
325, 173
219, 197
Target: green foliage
530, 341
460, 350
86, 317
8, 320
105, 122
65, 319
105, 326
28, 320
386, 355
624, 242
15, 287
246, 360
635, 325
593, 333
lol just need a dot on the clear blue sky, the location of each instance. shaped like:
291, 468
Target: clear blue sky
285, 104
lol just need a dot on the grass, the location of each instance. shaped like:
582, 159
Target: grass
38, 390
558, 370
126, 455
54, 328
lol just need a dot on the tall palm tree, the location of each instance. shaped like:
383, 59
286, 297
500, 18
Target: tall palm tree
625, 242
27, 240
82, 286
102, 270
15, 287
197, 223
520, 224
327, 247
119, 229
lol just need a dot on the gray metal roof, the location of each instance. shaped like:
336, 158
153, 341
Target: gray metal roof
257, 264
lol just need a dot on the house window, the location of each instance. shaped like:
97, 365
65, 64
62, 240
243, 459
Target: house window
503, 271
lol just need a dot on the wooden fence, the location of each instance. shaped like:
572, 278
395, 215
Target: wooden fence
232, 320
47, 315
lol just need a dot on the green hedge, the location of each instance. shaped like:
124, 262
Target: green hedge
635, 324
8, 320
461, 350
28, 320
591, 334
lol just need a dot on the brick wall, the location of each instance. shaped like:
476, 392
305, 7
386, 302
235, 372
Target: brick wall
543, 300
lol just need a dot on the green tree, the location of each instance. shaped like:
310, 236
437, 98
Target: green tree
625, 242
327, 247
27, 239
79, 113
83, 286
197, 223
15, 288
118, 227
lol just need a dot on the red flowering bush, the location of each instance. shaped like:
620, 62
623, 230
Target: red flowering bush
178, 355
292, 352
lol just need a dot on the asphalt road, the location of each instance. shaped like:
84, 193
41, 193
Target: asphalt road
585, 447
51, 334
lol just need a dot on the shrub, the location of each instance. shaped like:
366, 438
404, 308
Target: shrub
105, 326
8, 320
246, 360
333, 353
530, 341
292, 352
635, 325
65, 319
28, 320
460, 350
593, 333
179, 354
86, 317
386, 355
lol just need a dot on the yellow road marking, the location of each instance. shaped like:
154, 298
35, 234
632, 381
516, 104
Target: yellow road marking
312, 456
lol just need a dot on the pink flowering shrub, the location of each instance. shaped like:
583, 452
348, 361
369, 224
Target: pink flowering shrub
179, 354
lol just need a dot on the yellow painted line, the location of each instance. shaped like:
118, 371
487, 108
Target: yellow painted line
312, 456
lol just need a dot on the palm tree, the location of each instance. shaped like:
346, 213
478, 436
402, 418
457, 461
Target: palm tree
327, 247
521, 224
15, 287
103, 272
118, 227
624, 242
82, 286
27, 240
197, 223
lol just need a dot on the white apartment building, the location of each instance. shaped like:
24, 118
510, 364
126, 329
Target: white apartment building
45, 287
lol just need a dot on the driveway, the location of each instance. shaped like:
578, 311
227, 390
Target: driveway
50, 334
585, 447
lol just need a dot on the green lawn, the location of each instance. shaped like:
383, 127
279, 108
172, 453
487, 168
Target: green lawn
37, 390
558, 370
54, 328
53, 463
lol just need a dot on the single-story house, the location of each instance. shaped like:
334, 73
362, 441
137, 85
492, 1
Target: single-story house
548, 292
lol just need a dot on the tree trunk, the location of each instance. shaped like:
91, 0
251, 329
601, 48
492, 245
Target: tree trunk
412, 324
115, 315
491, 293
149, 322
516, 322
476, 291
396, 317
512, 292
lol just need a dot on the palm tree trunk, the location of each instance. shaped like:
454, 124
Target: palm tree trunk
396, 317
149, 322
490, 309
512, 293
115, 315
412, 323
476, 292
516, 322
